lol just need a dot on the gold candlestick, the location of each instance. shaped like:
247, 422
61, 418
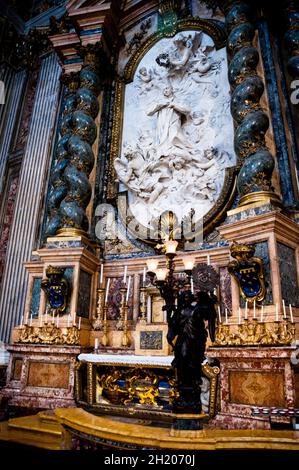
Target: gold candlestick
120, 321
97, 322
104, 339
143, 305
125, 338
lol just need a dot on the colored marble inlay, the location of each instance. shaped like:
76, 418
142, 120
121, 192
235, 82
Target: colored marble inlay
288, 274
17, 368
26, 112
48, 375
7, 219
84, 294
225, 290
151, 339
35, 297
68, 275
114, 299
257, 388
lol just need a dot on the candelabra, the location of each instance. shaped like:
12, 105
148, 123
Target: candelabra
104, 339
164, 279
97, 322
143, 304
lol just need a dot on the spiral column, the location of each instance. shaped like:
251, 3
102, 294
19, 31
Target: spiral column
254, 179
71, 190
59, 188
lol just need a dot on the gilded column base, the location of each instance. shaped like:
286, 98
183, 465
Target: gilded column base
264, 197
70, 234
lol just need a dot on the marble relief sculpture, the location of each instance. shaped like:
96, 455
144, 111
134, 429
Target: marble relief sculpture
175, 153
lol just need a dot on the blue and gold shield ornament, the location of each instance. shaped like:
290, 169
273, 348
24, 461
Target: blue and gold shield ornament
56, 289
248, 270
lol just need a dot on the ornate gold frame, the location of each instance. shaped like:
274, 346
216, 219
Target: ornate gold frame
209, 371
228, 191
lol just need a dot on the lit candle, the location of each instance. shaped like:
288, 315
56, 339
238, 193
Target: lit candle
262, 314
246, 310
144, 275
125, 274
254, 310
161, 274
170, 246
53, 318
226, 318
57, 321
101, 274
291, 313
107, 290
74, 319
26, 318
96, 343
189, 263
284, 309
239, 315
192, 286
31, 319
219, 314
41, 321
208, 260
276, 309
152, 265
79, 324
128, 289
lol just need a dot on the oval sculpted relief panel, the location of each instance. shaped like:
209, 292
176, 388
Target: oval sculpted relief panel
177, 137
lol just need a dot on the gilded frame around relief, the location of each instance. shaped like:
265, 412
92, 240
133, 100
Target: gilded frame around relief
226, 196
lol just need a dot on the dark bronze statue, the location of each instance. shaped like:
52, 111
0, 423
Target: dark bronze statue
187, 334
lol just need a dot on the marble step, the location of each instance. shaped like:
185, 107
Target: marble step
37, 431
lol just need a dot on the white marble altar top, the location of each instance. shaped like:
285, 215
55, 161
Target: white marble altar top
127, 359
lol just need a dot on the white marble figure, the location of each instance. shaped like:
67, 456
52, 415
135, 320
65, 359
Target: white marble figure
170, 139
177, 131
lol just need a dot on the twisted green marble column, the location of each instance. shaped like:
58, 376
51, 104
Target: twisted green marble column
59, 188
71, 189
252, 122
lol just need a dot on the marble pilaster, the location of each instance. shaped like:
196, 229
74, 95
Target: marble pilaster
30, 192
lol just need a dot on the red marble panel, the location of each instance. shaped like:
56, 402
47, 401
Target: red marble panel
17, 368
257, 388
26, 113
7, 218
50, 375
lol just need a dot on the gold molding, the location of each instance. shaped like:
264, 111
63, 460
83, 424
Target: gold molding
254, 333
118, 434
264, 197
117, 128
48, 334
